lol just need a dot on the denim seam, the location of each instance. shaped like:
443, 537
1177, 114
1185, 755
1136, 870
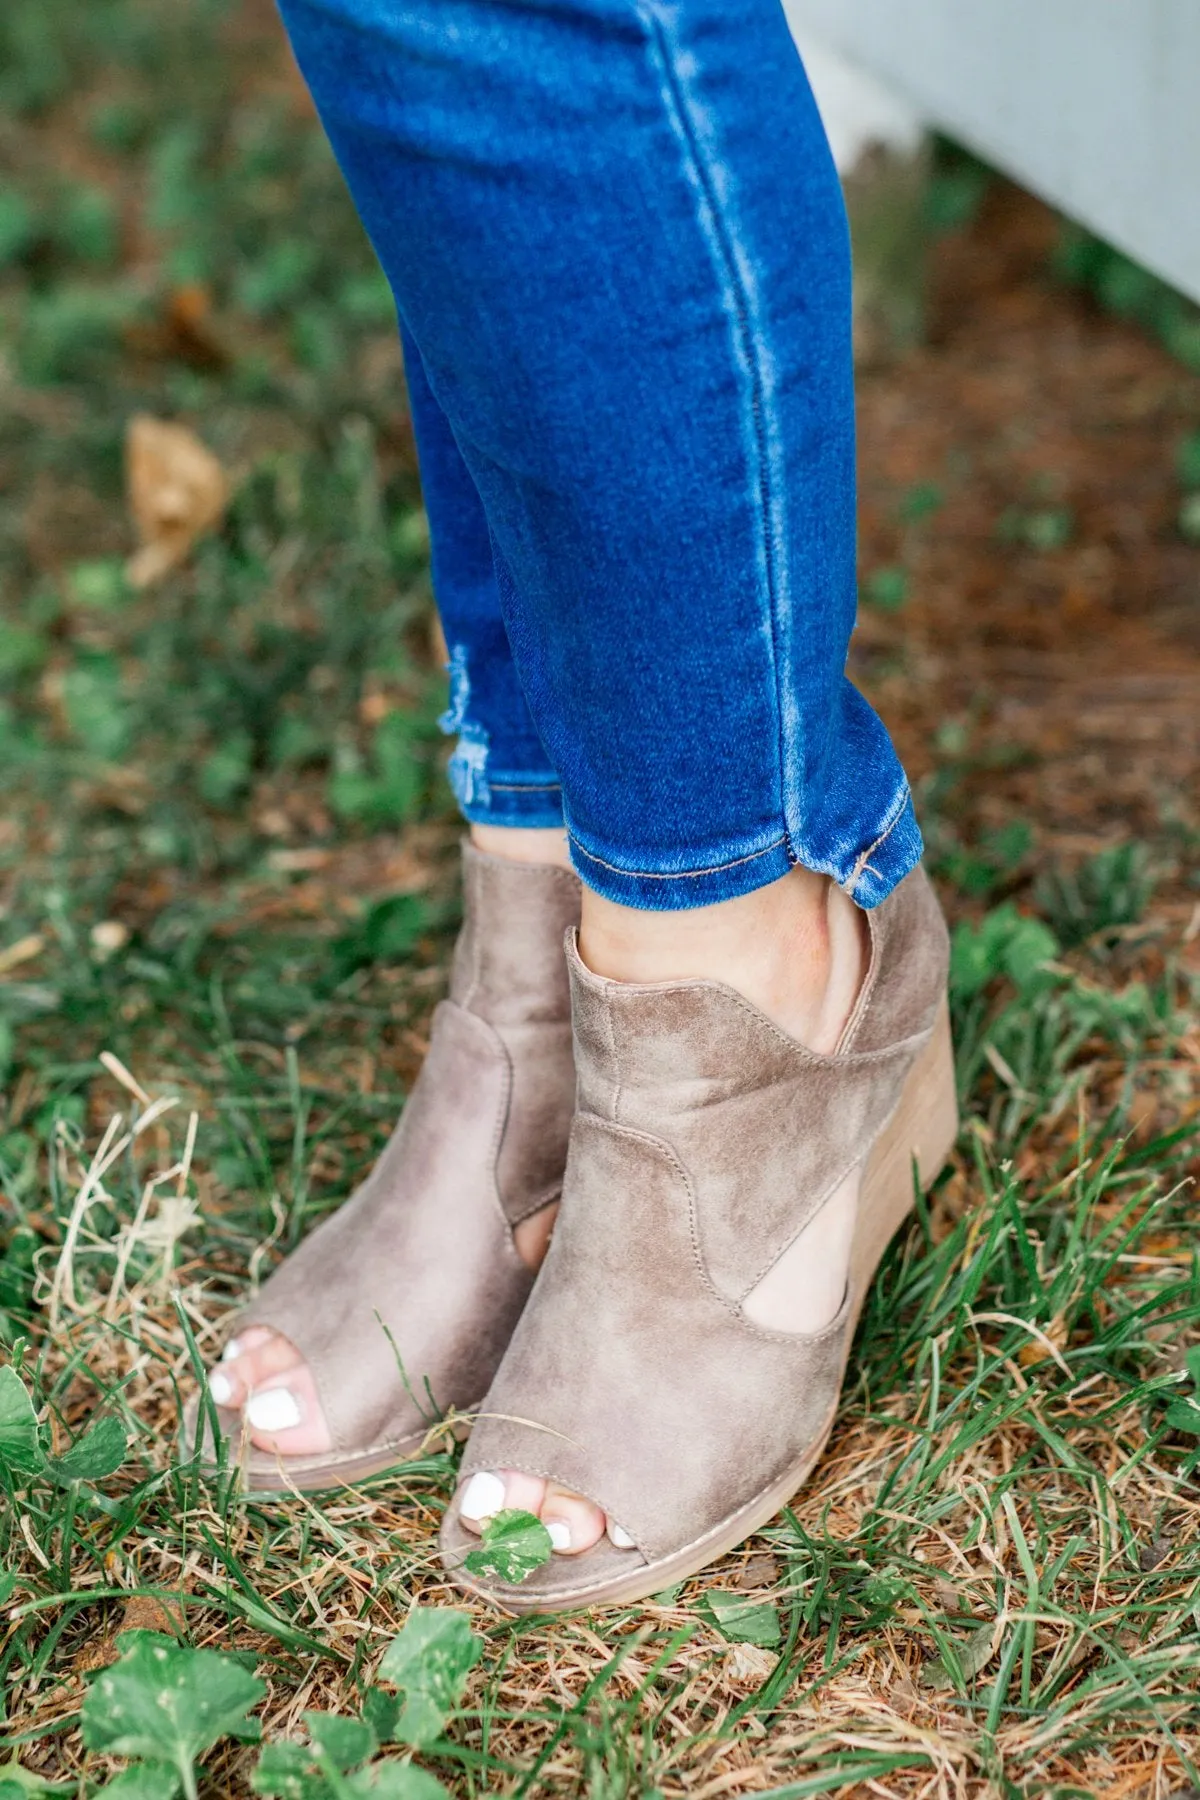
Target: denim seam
674, 874
682, 113
525, 787
863, 863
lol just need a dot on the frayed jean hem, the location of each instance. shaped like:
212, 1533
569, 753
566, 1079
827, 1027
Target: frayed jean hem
867, 875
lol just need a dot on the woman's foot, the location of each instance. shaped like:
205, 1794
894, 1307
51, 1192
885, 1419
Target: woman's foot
798, 951
263, 1376
405, 1297
728, 1196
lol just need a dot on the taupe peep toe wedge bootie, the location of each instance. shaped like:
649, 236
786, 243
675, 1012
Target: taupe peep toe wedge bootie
704, 1142
403, 1301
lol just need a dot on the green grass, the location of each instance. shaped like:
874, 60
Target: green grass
227, 867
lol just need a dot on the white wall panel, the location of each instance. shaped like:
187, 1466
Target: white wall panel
1094, 104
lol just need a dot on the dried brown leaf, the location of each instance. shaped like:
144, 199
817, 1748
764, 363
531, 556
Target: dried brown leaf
177, 491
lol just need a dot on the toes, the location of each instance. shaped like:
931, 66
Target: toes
231, 1380
487, 1492
284, 1415
574, 1525
249, 1361
227, 1387
247, 1339
262, 1360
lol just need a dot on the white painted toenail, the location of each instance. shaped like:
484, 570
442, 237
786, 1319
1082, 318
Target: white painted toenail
483, 1497
232, 1350
620, 1539
560, 1533
273, 1409
220, 1387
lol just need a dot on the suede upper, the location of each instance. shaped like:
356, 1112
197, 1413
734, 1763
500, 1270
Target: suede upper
704, 1141
403, 1300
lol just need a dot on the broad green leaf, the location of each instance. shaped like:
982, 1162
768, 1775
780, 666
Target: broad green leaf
886, 1588
7, 1583
1005, 942
19, 1447
18, 1782
343, 1742
100, 1452
382, 1712
395, 1780
287, 1772
429, 1662
165, 1703
514, 1544
1029, 948
24, 1782
741, 1619
1184, 1415
144, 1781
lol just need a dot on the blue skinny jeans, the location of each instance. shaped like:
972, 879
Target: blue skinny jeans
619, 254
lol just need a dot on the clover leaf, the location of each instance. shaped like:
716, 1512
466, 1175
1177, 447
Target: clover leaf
741, 1619
513, 1545
429, 1661
323, 1770
167, 1704
20, 1450
339, 1741
100, 1452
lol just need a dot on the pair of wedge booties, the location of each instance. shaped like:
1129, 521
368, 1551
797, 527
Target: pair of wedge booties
691, 1141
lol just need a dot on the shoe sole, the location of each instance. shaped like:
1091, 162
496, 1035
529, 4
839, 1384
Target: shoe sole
276, 1478
922, 1129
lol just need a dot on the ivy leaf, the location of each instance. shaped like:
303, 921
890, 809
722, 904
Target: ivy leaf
100, 1452
741, 1619
165, 1703
429, 1661
514, 1544
19, 1446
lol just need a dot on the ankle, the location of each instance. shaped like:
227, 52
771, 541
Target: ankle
523, 844
796, 949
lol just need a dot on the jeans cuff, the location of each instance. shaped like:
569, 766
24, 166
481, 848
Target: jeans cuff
868, 875
530, 801
875, 871
679, 890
